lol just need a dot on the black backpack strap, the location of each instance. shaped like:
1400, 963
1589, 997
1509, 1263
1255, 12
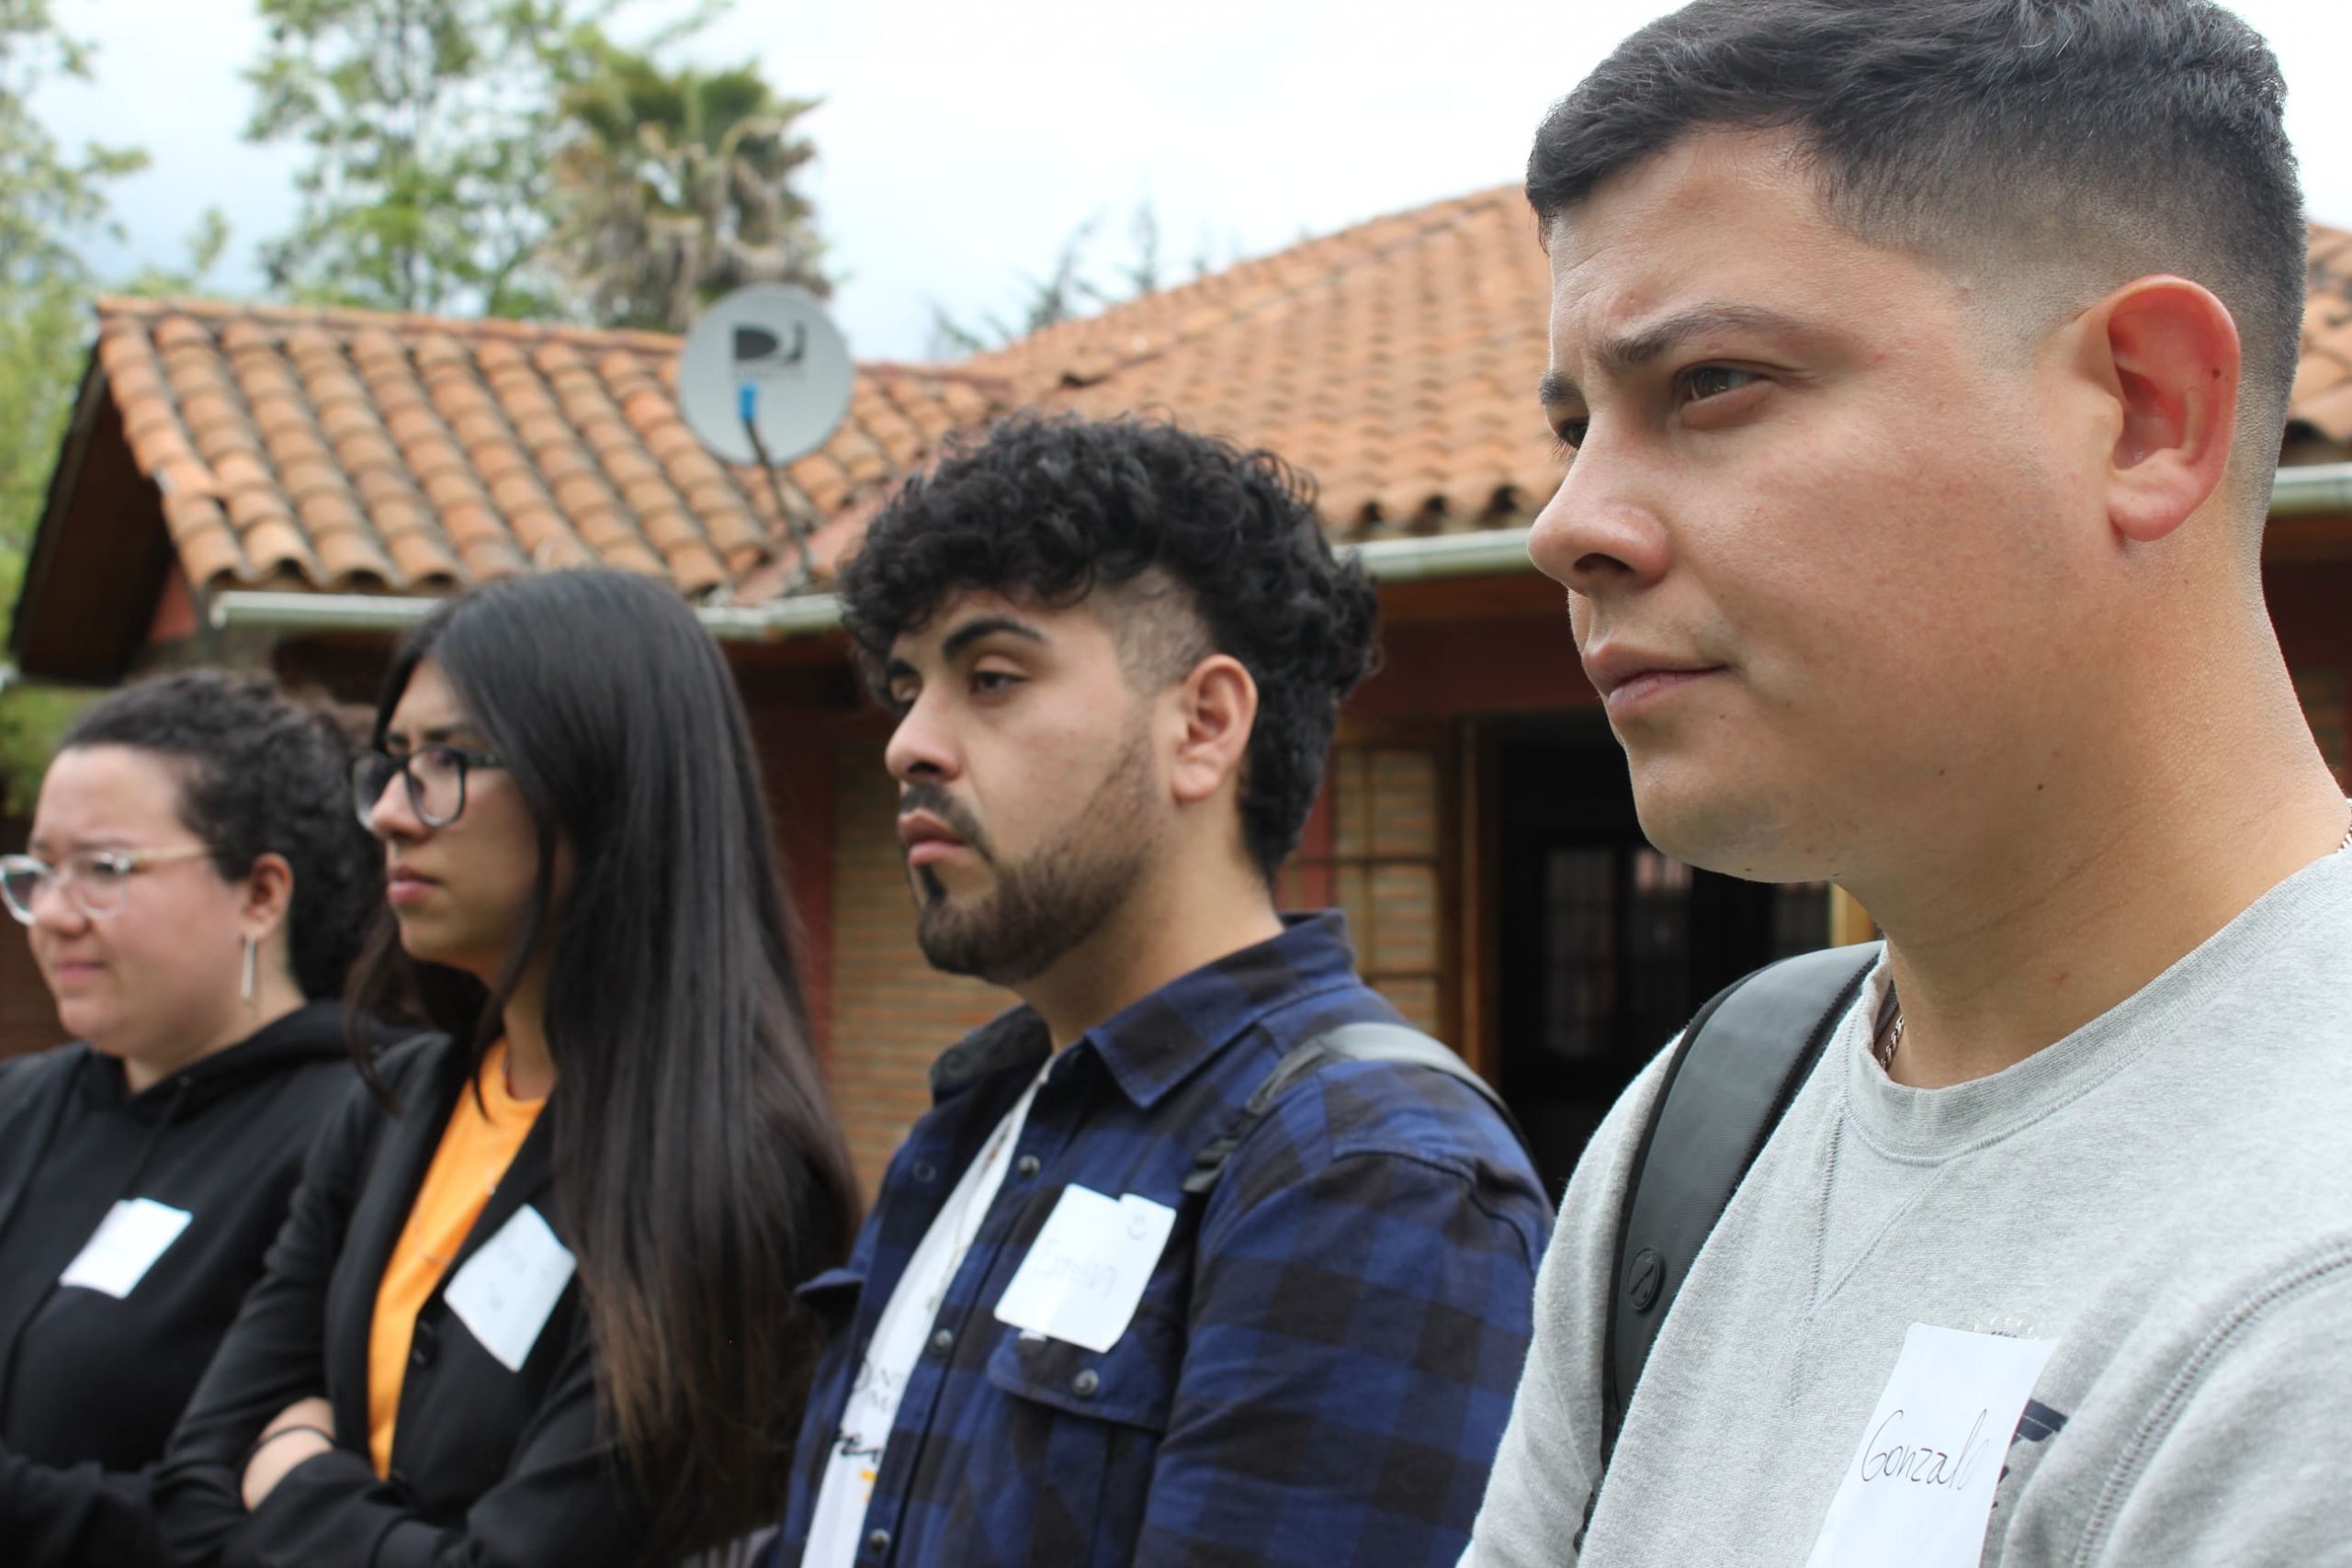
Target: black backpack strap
1742, 1061
1348, 1043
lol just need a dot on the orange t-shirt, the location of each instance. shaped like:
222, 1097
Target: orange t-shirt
474, 1153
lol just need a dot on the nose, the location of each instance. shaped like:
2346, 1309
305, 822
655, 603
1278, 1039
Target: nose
57, 912
923, 747
1598, 535
394, 814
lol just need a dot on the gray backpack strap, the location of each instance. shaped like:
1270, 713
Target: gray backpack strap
1348, 1043
1741, 1062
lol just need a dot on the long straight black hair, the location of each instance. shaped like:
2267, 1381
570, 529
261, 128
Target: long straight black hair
696, 1157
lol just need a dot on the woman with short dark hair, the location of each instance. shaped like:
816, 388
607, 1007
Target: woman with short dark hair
537, 1305
195, 890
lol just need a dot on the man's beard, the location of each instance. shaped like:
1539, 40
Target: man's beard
1042, 907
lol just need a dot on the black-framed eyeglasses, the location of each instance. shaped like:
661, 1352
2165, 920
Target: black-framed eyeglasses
435, 777
94, 880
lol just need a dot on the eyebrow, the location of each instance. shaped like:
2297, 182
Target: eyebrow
963, 638
439, 734
985, 626
1628, 351
40, 848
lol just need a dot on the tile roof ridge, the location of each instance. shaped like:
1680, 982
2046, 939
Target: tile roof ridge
1425, 223
350, 320
915, 370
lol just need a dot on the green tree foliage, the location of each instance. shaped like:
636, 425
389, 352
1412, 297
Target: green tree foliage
676, 185
47, 194
50, 197
430, 127
43, 339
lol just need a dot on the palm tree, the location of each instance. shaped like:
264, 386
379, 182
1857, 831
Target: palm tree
675, 187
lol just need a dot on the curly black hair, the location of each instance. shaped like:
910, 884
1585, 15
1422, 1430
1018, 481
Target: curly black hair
1053, 508
260, 775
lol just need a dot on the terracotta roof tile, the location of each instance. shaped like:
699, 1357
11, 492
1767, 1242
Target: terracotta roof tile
341, 448
1394, 361
274, 545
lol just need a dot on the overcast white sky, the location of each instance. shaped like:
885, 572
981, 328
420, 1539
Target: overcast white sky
962, 142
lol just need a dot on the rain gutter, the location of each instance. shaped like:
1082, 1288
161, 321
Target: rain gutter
802, 615
1490, 553
2311, 490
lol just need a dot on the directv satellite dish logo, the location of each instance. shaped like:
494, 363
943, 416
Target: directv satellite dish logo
758, 353
764, 376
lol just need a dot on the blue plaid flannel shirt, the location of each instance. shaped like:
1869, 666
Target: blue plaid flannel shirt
1324, 1358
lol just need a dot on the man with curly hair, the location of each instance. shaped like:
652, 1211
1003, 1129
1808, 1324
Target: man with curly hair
1106, 1310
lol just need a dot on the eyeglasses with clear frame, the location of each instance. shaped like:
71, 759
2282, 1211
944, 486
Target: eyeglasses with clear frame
435, 775
95, 880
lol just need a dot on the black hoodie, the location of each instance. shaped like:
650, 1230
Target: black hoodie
90, 1384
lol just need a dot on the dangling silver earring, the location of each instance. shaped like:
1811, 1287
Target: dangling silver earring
253, 952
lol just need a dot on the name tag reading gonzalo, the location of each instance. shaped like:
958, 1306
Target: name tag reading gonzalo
1920, 1488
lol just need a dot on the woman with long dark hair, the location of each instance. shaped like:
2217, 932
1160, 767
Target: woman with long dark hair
535, 1304
195, 893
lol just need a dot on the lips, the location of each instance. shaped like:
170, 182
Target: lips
1651, 686
1631, 678
927, 839
403, 886
71, 971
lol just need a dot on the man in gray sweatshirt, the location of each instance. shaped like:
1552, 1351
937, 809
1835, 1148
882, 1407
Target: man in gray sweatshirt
1924, 364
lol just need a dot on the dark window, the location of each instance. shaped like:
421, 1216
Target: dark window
1604, 946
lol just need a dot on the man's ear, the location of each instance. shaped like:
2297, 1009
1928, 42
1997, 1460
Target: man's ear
2167, 351
1217, 706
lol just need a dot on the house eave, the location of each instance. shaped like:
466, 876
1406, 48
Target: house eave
1489, 553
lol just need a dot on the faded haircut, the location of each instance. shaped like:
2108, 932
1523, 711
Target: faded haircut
1188, 545
2071, 144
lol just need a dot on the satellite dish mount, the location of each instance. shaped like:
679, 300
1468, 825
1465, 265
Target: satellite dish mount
765, 377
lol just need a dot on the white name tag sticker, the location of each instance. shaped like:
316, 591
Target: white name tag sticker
506, 1290
1087, 1269
1920, 1488
127, 1243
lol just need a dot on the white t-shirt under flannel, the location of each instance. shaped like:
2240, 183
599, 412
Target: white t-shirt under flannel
839, 1523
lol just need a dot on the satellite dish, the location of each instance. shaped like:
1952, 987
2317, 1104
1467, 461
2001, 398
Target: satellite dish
764, 376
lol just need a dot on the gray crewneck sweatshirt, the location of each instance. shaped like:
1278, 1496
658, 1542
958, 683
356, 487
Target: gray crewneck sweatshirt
2165, 1193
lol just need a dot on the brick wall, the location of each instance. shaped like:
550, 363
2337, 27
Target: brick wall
1374, 849
892, 1014
796, 754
